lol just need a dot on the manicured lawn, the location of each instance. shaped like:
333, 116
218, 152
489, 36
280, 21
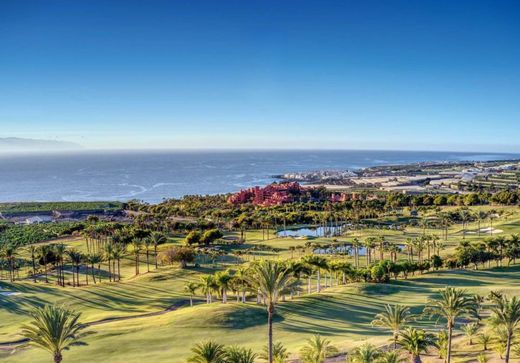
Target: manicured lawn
342, 314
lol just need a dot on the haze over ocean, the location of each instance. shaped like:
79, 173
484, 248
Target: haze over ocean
153, 176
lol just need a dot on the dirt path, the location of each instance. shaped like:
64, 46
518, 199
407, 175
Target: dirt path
15, 343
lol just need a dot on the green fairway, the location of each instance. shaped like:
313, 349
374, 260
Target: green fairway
342, 314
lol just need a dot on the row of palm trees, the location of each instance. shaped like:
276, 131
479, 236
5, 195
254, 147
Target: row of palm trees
58, 255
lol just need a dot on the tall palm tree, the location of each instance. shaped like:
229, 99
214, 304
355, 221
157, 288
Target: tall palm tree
137, 245
9, 253
506, 314
59, 250
223, 281
43, 252
54, 329
208, 352
318, 263
191, 288
365, 353
157, 238
452, 303
33, 251
393, 318
94, 259
208, 285
316, 350
75, 258
415, 342
270, 279
236, 354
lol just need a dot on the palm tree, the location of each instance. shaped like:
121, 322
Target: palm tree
76, 258
365, 353
393, 318
137, 245
453, 303
235, 354
94, 259
269, 278
208, 285
33, 251
208, 352
147, 244
390, 357
9, 253
470, 330
59, 250
43, 251
484, 339
223, 281
157, 238
118, 252
316, 350
54, 329
108, 252
191, 288
280, 353
506, 314
415, 342
318, 263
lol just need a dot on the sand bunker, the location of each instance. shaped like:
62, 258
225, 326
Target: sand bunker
9, 293
490, 230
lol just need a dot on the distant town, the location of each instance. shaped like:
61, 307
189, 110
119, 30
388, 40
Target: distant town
440, 177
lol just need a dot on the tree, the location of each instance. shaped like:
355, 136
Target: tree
192, 238
316, 350
470, 330
191, 288
415, 342
235, 354
54, 329
208, 352
137, 245
94, 259
390, 357
223, 281
280, 353
506, 314
75, 258
453, 303
484, 339
393, 318
365, 353
9, 253
269, 278
157, 239
208, 285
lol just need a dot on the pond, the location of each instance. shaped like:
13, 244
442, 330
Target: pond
312, 231
347, 248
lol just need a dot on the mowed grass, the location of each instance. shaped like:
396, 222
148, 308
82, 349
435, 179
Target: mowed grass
343, 314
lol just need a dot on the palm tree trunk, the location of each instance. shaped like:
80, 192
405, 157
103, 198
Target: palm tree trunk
450, 333
57, 357
270, 312
508, 347
155, 251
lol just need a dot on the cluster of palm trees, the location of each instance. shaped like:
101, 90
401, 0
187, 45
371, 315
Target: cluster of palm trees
101, 251
451, 305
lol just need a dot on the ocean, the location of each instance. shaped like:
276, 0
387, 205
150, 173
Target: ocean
152, 176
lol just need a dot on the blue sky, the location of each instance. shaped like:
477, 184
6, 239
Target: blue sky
431, 75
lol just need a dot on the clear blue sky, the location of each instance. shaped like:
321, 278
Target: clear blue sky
281, 74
